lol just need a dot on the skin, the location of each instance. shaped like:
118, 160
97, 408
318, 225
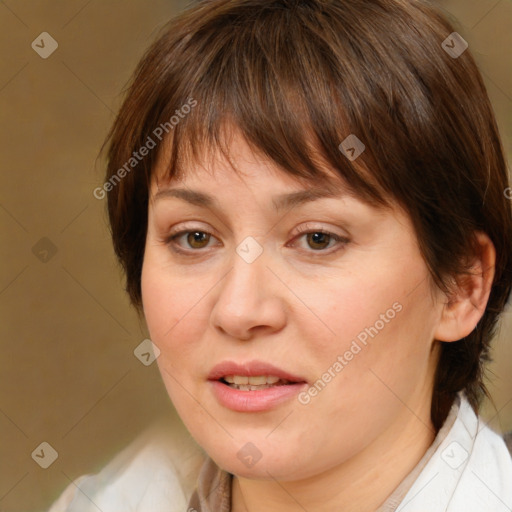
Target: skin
298, 306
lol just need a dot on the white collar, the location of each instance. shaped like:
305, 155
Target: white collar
470, 471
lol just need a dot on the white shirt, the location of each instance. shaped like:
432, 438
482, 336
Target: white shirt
467, 469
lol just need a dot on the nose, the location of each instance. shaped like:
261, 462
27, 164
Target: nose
251, 300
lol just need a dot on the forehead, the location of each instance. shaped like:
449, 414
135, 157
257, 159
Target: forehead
228, 159
237, 163
207, 188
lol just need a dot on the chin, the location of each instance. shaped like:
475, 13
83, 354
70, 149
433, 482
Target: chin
248, 462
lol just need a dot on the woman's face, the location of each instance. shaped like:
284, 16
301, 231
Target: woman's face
328, 295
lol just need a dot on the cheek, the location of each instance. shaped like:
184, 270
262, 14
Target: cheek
171, 312
157, 300
384, 355
356, 309
381, 326
175, 327
168, 317
372, 368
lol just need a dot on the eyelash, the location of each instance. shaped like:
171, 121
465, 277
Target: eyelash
342, 241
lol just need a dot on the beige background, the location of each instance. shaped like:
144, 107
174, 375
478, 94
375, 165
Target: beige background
68, 373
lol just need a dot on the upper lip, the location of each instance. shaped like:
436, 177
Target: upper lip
251, 369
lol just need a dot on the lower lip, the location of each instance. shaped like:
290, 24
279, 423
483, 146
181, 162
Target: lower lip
255, 401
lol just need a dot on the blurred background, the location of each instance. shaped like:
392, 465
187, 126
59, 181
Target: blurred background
69, 376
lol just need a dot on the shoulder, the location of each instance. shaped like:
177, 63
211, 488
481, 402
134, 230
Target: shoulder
470, 470
156, 472
508, 441
486, 482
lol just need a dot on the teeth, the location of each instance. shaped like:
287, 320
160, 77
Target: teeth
255, 383
242, 387
259, 380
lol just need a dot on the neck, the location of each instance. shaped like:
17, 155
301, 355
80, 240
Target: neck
360, 484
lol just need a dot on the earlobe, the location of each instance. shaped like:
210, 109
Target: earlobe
466, 304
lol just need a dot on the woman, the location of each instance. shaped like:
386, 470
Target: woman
308, 200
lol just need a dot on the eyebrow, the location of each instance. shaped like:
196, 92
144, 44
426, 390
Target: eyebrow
280, 202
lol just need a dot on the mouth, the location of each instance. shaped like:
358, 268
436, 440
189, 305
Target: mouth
253, 383
253, 386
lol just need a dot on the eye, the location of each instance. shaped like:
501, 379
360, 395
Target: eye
195, 239
319, 239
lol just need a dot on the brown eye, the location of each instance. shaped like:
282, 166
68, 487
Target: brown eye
197, 239
318, 240
194, 241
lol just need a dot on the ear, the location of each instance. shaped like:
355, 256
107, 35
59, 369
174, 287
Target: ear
466, 304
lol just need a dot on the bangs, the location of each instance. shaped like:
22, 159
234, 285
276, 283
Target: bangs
258, 81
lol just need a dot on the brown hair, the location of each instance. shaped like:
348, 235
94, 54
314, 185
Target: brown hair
296, 78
